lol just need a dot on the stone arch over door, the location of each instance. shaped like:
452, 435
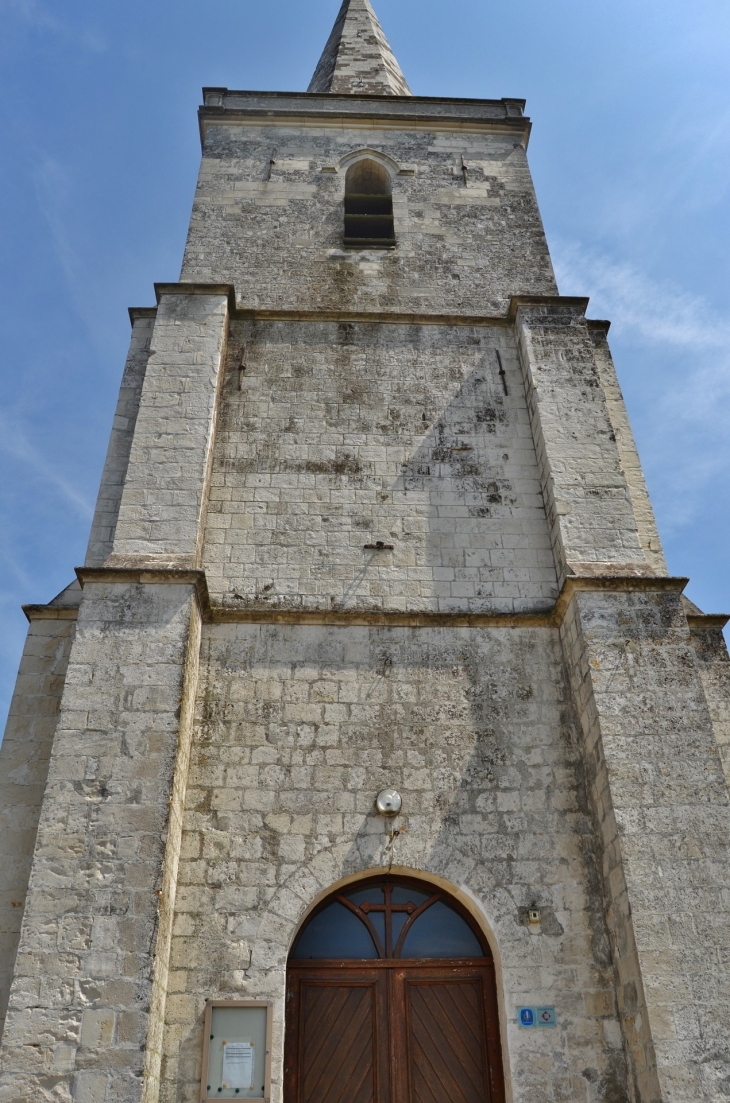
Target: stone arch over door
391, 998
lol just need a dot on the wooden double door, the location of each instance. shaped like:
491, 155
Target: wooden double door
393, 1031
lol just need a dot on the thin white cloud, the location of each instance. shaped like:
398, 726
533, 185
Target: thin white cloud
30, 11
652, 312
693, 147
15, 443
679, 170
36, 15
54, 187
686, 382
14, 567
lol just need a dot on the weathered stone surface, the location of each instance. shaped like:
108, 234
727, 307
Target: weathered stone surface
24, 756
357, 57
298, 728
275, 231
340, 435
84, 966
103, 528
661, 805
649, 539
165, 489
713, 664
518, 664
588, 502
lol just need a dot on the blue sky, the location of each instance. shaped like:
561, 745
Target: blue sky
631, 158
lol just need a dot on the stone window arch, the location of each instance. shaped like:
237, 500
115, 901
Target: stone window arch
368, 206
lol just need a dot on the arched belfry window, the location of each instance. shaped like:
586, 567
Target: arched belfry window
388, 919
368, 206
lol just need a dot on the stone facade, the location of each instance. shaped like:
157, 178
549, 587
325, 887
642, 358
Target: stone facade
26, 749
299, 727
338, 435
268, 208
369, 518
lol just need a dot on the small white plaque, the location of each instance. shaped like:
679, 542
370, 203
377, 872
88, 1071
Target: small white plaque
238, 1065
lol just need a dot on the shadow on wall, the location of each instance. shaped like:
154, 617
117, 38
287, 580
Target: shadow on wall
476, 730
409, 439
468, 499
514, 831
488, 543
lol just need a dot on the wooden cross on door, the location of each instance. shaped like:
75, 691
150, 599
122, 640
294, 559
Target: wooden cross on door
363, 910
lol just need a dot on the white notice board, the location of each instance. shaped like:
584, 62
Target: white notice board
237, 1058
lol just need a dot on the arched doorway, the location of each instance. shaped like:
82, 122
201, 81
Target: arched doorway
391, 998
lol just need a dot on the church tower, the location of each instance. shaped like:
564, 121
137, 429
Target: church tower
374, 756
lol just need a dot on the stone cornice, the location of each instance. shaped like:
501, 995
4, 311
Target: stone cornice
575, 304
502, 106
397, 619
382, 618
50, 612
141, 575
212, 116
612, 584
707, 622
372, 317
384, 317
136, 313
226, 289
225, 107
151, 575
226, 100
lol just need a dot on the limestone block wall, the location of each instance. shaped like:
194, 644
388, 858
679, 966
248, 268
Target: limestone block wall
713, 664
297, 729
337, 435
589, 505
268, 217
103, 528
164, 495
87, 990
24, 756
662, 811
649, 539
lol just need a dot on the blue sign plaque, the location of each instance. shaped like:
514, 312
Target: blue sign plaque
531, 1018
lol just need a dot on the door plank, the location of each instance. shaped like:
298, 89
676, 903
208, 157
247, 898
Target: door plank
446, 1030
444, 1062
416, 1032
337, 1047
337, 1041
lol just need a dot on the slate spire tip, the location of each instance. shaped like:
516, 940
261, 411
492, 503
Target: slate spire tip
357, 59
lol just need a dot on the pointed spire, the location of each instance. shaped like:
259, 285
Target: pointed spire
357, 59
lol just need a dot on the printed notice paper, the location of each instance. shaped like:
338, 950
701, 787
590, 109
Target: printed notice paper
238, 1065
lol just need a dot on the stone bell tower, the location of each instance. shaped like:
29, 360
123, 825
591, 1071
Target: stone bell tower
371, 518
